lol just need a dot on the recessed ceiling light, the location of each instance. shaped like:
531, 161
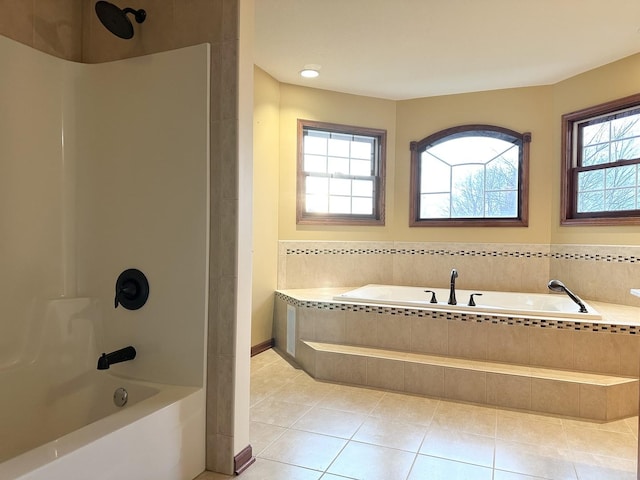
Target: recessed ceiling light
310, 70
309, 73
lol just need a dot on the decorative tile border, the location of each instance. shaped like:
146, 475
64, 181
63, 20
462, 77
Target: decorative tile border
464, 317
471, 252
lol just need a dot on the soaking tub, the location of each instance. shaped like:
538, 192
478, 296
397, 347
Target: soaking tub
489, 303
75, 430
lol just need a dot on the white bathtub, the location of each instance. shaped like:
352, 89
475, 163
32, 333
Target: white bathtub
74, 430
490, 303
58, 420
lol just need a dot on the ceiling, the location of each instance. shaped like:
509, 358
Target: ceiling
402, 49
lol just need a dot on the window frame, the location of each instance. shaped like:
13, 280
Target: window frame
417, 147
571, 142
310, 218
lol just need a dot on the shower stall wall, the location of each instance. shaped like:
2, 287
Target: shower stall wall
104, 168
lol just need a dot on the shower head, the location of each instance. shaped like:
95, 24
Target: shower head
116, 20
558, 286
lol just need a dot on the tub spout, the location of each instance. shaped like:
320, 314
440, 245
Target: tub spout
122, 355
558, 286
452, 289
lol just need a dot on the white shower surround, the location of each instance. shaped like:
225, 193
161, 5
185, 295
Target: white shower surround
106, 169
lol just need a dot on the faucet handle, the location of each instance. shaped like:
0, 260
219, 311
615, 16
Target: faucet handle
472, 302
433, 296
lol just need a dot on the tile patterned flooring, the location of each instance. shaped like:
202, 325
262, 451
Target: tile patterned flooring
303, 429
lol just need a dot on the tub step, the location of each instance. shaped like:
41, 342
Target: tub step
572, 393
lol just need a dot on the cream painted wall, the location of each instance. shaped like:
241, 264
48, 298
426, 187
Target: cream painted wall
609, 82
525, 109
522, 110
322, 105
266, 128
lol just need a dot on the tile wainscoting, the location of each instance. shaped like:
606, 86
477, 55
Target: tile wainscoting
595, 272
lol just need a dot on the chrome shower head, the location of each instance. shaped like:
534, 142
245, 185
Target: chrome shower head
115, 19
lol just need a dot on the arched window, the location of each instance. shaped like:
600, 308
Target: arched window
471, 175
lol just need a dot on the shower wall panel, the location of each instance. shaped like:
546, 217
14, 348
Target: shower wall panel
142, 202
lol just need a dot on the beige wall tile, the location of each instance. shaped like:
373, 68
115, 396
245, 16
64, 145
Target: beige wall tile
465, 385
629, 348
622, 401
337, 367
593, 402
385, 373
508, 343
509, 391
552, 396
329, 325
361, 328
596, 352
467, 339
430, 335
394, 332
424, 379
551, 347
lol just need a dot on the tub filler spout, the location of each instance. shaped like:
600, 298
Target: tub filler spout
452, 288
122, 355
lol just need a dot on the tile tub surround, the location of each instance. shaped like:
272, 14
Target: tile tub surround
508, 361
597, 272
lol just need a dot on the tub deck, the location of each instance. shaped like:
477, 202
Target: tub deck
567, 366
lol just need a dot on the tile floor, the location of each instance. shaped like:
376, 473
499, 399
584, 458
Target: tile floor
303, 429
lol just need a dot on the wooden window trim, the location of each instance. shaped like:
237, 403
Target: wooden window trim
568, 198
523, 181
378, 217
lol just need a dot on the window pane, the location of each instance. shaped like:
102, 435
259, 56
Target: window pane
625, 127
476, 149
317, 186
362, 206
621, 176
339, 204
317, 203
502, 204
502, 173
468, 191
362, 188
362, 148
316, 143
593, 180
434, 205
315, 163
595, 155
435, 175
598, 133
591, 201
340, 186
361, 168
339, 145
620, 199
625, 149
338, 165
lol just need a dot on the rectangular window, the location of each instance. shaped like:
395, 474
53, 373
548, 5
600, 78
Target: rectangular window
340, 174
601, 158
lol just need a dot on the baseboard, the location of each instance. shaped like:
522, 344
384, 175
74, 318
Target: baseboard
243, 460
261, 347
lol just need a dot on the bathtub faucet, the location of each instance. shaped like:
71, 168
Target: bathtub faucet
558, 286
122, 355
452, 289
